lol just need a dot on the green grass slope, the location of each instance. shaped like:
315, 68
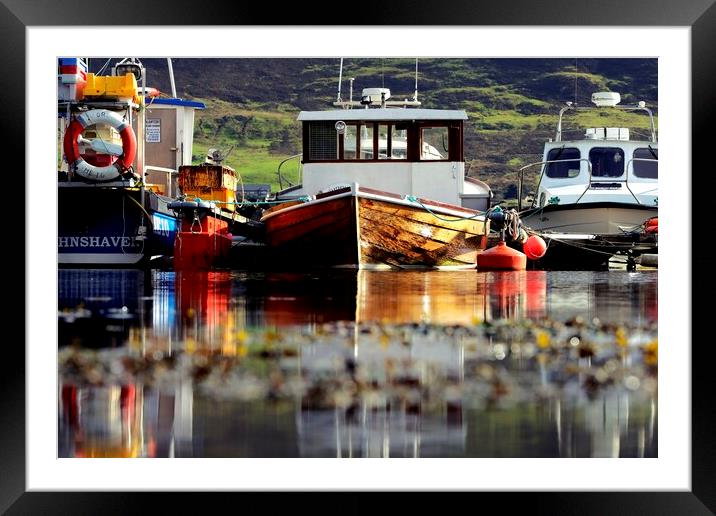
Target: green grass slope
512, 104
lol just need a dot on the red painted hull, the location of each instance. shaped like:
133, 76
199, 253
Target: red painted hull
202, 245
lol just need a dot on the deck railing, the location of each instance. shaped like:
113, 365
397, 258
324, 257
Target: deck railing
521, 173
281, 178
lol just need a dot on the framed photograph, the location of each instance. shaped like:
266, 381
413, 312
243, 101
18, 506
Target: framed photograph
674, 43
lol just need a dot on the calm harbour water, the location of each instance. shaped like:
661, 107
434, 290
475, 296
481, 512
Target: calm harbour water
159, 313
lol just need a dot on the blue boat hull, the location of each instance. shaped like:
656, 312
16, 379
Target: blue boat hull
112, 226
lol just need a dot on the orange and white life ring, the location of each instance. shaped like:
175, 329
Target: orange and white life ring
87, 170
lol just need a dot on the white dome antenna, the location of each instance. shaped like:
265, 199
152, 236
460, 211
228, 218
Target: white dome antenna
606, 98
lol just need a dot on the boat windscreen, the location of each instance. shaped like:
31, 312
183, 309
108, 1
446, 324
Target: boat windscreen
566, 163
646, 163
607, 161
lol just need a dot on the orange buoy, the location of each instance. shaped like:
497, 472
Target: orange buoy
652, 225
534, 247
501, 257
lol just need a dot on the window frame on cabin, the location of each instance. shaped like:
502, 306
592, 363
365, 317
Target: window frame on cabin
413, 136
652, 161
558, 163
614, 150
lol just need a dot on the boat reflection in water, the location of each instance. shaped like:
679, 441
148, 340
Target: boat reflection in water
534, 412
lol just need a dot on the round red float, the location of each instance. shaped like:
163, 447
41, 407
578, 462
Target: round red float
535, 247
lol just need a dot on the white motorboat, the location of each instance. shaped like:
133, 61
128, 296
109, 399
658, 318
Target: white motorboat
597, 195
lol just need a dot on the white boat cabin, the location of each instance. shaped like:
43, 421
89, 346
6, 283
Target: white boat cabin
404, 151
606, 165
582, 171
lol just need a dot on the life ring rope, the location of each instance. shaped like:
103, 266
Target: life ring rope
93, 172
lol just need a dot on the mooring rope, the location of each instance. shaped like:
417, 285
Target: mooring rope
304, 198
414, 199
578, 246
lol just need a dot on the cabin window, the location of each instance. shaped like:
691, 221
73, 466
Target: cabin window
366, 141
391, 140
434, 143
357, 142
607, 161
322, 141
646, 163
399, 141
384, 142
350, 142
567, 163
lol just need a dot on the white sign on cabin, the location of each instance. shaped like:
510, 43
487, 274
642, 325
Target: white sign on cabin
153, 130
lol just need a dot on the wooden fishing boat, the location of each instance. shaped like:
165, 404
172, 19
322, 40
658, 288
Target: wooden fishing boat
382, 187
355, 226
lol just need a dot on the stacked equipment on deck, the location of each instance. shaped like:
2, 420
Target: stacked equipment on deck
71, 78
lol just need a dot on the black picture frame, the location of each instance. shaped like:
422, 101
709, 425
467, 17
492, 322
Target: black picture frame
700, 15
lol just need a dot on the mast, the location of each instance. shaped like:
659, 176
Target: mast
340, 78
415, 95
171, 77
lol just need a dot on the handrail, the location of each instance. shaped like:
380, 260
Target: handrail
521, 172
572, 107
637, 159
278, 171
626, 182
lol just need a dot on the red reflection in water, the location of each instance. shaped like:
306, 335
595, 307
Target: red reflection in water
203, 303
105, 421
515, 294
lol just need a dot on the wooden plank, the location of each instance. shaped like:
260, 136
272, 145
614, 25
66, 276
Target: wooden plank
406, 221
324, 225
308, 211
381, 244
398, 235
374, 254
418, 214
402, 224
399, 225
281, 206
321, 234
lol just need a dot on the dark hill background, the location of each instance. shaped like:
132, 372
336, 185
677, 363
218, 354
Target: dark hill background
512, 103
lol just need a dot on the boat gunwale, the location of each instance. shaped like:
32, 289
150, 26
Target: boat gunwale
379, 195
587, 206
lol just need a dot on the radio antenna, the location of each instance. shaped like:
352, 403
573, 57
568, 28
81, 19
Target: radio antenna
575, 81
415, 95
171, 77
340, 78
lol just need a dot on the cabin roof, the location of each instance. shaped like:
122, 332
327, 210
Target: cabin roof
382, 114
174, 102
597, 142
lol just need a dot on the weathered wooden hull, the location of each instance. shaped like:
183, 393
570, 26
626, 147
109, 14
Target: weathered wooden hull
404, 236
362, 228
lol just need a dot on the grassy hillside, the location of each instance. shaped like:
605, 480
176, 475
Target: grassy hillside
512, 104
